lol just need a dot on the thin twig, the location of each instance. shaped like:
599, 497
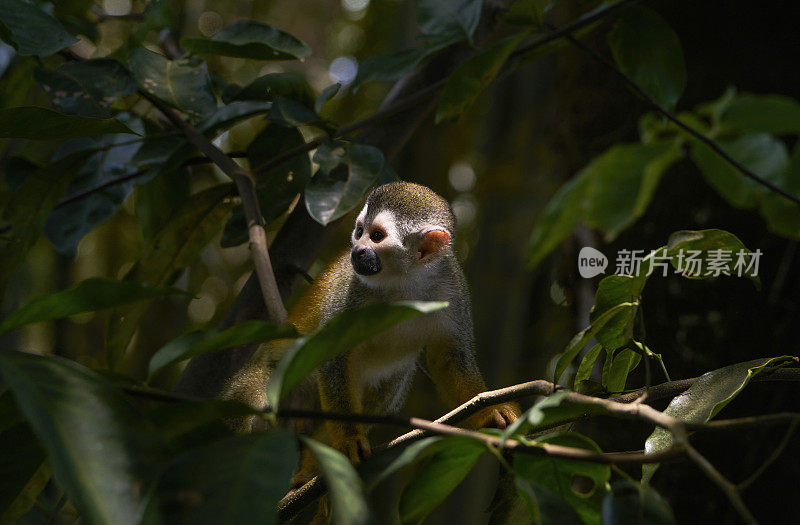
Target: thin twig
675, 120
771, 459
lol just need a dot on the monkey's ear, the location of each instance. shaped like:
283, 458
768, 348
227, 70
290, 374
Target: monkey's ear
434, 241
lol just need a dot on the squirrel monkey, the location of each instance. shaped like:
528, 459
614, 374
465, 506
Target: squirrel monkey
401, 250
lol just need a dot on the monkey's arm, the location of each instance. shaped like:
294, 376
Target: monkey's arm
452, 366
340, 393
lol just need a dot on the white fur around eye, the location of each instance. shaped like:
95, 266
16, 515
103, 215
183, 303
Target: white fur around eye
385, 220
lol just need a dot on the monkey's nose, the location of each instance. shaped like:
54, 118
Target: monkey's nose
365, 261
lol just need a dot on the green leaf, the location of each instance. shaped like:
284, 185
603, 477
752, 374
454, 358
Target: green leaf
86, 88
68, 223
448, 19
103, 452
245, 481
386, 462
86, 296
183, 84
761, 114
32, 31
577, 343
154, 199
192, 227
782, 215
558, 474
325, 95
327, 199
473, 75
760, 153
276, 188
35, 123
647, 50
23, 470
616, 368
709, 252
561, 215
347, 490
629, 503
544, 507
587, 364
623, 180
612, 291
392, 66
291, 113
528, 12
453, 458
338, 335
249, 39
273, 85
704, 399
28, 207
202, 342
555, 408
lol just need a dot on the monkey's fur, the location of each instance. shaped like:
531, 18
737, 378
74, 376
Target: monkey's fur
409, 258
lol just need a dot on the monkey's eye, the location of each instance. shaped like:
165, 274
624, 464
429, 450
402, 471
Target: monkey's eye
359, 232
377, 236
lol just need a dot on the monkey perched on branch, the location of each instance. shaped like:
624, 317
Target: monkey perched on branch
401, 250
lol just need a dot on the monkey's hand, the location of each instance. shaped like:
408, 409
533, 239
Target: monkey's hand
497, 416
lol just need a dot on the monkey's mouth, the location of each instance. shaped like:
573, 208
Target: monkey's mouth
365, 261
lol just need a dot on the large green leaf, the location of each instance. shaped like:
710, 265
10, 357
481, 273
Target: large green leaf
558, 474
452, 20
23, 470
616, 368
104, 453
236, 480
183, 84
647, 50
329, 199
544, 506
699, 254
87, 87
346, 488
782, 215
249, 39
622, 181
86, 296
629, 503
193, 225
609, 193
704, 399
473, 75
291, 113
761, 153
561, 215
450, 462
761, 114
30, 30
202, 342
185, 424
35, 123
97, 185
338, 335
27, 210
392, 66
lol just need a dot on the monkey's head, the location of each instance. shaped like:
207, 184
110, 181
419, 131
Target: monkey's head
401, 233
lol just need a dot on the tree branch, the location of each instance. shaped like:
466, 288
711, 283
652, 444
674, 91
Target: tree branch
245, 184
675, 120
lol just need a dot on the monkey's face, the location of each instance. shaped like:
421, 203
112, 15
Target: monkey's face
390, 251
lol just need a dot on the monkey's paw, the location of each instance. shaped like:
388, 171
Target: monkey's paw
354, 446
497, 416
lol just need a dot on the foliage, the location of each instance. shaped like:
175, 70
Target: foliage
100, 146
